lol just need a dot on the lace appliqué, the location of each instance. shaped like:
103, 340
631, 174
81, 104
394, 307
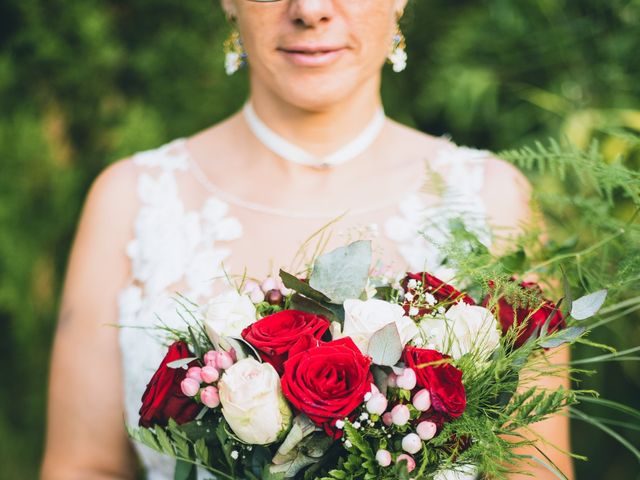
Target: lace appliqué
421, 227
171, 245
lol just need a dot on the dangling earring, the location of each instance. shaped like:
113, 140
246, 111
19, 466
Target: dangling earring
398, 56
234, 54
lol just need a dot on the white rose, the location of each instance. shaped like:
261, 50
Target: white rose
364, 318
252, 402
464, 328
228, 314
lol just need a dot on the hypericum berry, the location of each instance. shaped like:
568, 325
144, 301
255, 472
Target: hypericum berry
189, 386
209, 374
407, 379
400, 415
387, 419
383, 457
426, 430
377, 404
274, 297
210, 397
411, 443
195, 373
411, 463
422, 400
224, 360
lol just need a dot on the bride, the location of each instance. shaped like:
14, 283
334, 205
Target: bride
312, 144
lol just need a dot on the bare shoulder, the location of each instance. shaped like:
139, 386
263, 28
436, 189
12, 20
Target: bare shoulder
114, 192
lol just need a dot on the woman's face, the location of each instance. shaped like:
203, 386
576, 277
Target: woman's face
313, 53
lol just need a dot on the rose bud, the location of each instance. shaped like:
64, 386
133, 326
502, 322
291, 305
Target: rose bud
210, 397
411, 443
377, 404
427, 430
195, 373
407, 379
209, 374
400, 415
274, 297
387, 419
224, 361
392, 380
411, 463
210, 358
252, 402
383, 457
190, 387
422, 400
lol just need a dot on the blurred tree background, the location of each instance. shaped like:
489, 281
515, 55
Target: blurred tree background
85, 83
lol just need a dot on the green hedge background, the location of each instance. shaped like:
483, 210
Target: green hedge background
85, 83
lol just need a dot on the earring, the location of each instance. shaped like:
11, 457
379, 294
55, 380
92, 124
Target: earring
398, 56
234, 54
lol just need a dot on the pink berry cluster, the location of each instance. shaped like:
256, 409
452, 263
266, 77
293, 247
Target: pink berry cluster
400, 416
271, 290
214, 363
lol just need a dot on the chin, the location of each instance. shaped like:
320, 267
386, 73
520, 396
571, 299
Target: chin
316, 91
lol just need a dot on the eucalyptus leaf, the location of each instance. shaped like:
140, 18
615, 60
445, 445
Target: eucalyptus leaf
294, 283
385, 346
307, 452
333, 313
181, 363
343, 272
380, 377
588, 306
564, 336
291, 469
243, 348
301, 428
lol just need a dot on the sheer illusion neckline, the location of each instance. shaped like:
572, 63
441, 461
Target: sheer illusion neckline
216, 191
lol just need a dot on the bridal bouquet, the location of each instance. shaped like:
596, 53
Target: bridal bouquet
342, 374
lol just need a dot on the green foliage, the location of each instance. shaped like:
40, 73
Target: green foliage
85, 83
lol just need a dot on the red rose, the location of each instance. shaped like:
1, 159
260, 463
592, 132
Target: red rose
444, 381
443, 292
274, 335
327, 383
527, 320
305, 343
163, 399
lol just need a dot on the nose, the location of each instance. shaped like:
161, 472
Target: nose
311, 13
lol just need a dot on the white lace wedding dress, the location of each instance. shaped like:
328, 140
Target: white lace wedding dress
176, 245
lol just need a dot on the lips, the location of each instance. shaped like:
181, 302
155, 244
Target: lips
312, 55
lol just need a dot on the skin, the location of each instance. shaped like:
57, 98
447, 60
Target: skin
319, 108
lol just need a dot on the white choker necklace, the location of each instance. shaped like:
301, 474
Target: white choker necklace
292, 153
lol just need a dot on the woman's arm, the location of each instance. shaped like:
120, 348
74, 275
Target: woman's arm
86, 438
555, 430
507, 197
